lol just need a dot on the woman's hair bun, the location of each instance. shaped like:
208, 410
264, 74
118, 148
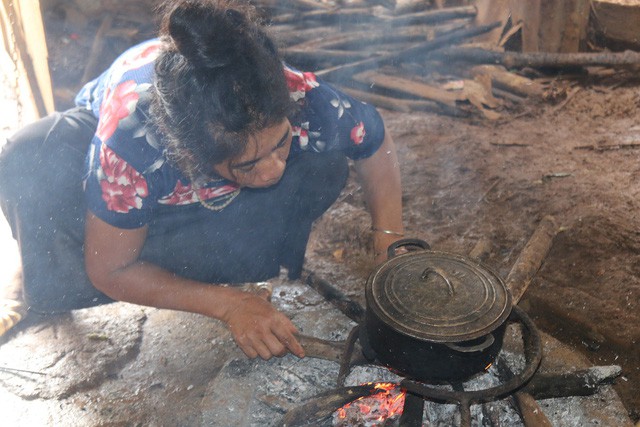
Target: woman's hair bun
210, 34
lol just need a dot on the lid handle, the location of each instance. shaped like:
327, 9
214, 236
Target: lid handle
441, 273
421, 244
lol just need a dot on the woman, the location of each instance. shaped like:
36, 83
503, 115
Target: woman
209, 161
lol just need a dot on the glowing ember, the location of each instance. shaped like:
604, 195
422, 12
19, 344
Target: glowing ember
372, 410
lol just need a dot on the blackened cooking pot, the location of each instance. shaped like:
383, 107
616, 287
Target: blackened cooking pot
434, 316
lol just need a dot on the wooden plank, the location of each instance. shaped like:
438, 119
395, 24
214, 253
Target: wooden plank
551, 25
491, 11
37, 49
617, 21
26, 37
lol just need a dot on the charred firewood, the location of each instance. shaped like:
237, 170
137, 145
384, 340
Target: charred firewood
585, 382
325, 404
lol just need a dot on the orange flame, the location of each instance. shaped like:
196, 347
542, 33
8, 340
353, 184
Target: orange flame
377, 407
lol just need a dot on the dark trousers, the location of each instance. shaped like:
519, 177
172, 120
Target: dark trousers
41, 173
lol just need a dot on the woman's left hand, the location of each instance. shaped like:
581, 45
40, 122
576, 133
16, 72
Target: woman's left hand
261, 330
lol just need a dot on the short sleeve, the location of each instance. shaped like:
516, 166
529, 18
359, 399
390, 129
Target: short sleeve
115, 191
329, 119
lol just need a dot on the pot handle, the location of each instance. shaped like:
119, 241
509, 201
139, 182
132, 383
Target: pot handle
488, 340
391, 250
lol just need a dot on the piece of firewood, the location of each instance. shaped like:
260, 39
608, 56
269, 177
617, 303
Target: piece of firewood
531, 412
433, 16
325, 404
530, 259
347, 70
328, 16
407, 86
627, 58
361, 38
508, 81
352, 309
292, 35
95, 55
322, 349
403, 105
302, 56
584, 382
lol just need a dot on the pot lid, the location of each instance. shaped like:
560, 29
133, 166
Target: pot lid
438, 296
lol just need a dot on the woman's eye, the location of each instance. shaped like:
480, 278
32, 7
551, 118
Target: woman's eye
246, 169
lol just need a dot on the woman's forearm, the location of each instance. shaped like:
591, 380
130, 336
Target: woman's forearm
380, 179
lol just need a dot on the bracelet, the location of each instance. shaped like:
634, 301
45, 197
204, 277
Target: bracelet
379, 230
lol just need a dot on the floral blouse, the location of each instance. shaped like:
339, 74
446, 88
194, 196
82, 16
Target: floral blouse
128, 175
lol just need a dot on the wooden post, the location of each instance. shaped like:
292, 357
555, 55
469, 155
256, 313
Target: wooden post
551, 25
23, 32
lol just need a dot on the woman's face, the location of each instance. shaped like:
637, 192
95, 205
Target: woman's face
264, 161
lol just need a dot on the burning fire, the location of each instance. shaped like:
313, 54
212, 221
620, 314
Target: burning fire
372, 410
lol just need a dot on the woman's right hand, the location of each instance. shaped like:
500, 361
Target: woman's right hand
259, 329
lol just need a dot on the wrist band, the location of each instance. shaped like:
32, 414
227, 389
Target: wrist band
379, 230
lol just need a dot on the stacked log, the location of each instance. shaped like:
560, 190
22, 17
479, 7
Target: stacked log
454, 57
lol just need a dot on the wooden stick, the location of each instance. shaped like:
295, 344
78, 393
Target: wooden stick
408, 87
299, 56
538, 60
531, 258
403, 105
508, 81
95, 55
362, 37
328, 16
322, 349
431, 16
531, 412
603, 148
350, 308
347, 70
482, 248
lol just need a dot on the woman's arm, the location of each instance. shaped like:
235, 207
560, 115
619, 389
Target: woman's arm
113, 266
380, 178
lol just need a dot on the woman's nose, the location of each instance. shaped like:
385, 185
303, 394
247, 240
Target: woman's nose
273, 169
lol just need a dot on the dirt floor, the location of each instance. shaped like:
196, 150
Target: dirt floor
465, 180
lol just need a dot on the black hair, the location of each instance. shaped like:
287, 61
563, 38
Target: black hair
218, 80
